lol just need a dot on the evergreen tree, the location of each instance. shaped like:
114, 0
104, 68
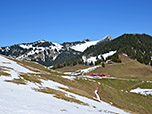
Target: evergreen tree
103, 65
91, 63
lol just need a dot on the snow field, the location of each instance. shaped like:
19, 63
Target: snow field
94, 59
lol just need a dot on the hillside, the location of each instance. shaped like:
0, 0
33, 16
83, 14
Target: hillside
128, 87
37, 90
136, 46
128, 68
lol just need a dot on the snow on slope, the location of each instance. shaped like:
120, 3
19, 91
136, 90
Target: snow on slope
82, 47
90, 69
110, 53
90, 59
93, 59
57, 46
142, 91
97, 95
15, 68
54, 47
79, 72
21, 99
11, 64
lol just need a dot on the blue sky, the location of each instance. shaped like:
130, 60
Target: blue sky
59, 21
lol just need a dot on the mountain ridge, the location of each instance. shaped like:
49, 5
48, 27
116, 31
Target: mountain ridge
136, 46
45, 52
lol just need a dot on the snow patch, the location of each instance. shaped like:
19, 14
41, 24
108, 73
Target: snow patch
142, 91
69, 77
57, 46
97, 95
25, 46
93, 59
89, 69
110, 53
84, 46
53, 85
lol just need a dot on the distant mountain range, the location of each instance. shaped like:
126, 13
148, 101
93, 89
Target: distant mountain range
136, 46
48, 53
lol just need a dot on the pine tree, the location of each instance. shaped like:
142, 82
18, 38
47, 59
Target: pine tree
103, 65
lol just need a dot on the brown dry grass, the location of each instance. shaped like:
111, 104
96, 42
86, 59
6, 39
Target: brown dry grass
128, 69
17, 81
82, 87
4, 73
59, 95
31, 78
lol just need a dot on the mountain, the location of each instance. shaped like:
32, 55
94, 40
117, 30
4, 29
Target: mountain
43, 52
136, 46
48, 53
106, 38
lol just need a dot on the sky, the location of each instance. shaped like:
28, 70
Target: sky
25, 21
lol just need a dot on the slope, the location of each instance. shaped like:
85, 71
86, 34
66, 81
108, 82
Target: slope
43, 91
128, 68
136, 46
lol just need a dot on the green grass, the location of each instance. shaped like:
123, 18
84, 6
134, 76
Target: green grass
111, 91
144, 85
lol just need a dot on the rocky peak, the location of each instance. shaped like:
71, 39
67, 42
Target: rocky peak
108, 37
86, 40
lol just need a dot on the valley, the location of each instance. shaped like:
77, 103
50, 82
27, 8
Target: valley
84, 91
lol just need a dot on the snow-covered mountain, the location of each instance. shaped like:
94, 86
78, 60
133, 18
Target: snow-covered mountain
43, 52
48, 53
24, 91
83, 46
